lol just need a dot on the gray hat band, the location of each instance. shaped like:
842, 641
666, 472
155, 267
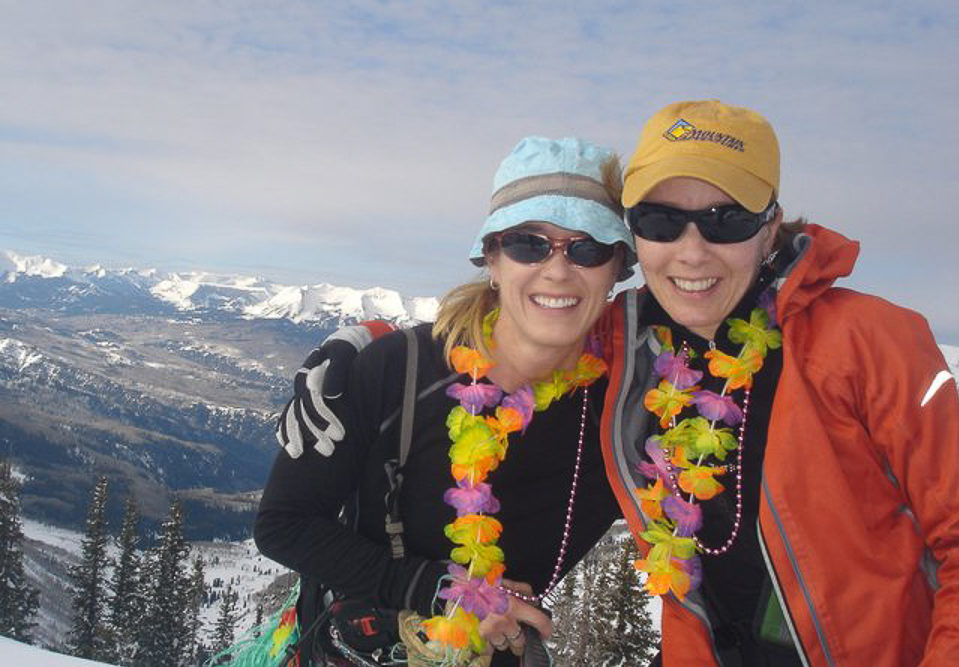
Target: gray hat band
563, 184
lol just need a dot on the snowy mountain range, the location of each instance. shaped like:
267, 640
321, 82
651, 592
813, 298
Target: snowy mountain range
33, 281
167, 383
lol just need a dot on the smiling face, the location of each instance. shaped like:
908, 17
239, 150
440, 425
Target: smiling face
699, 283
548, 308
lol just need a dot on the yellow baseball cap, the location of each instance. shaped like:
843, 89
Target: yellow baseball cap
733, 148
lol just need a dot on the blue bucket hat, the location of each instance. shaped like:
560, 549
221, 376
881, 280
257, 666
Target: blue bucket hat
560, 182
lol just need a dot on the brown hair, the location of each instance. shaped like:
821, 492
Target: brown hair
788, 231
461, 311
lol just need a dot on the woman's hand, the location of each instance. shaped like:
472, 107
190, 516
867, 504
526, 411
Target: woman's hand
503, 631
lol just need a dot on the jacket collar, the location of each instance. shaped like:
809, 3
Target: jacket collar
823, 256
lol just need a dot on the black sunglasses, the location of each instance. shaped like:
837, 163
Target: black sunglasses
533, 248
719, 224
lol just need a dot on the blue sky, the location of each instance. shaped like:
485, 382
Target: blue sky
355, 143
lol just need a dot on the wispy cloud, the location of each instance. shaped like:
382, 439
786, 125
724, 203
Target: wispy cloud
357, 141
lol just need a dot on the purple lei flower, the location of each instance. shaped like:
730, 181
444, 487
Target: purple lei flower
712, 406
767, 301
521, 400
478, 499
658, 467
475, 397
694, 568
673, 369
688, 516
474, 594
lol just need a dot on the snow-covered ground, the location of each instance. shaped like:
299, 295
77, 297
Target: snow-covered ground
62, 538
15, 654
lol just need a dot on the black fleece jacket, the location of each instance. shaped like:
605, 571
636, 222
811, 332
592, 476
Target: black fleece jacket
297, 521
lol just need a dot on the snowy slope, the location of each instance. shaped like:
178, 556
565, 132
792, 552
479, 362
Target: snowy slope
226, 564
15, 654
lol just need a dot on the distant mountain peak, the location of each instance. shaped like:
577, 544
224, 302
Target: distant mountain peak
14, 264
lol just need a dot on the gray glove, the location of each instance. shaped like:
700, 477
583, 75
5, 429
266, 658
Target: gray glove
307, 419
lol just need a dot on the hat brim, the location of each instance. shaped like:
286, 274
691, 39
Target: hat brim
749, 190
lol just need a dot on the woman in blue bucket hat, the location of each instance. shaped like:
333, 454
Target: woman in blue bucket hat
503, 488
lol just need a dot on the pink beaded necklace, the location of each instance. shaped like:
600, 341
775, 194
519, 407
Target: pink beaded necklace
670, 500
568, 523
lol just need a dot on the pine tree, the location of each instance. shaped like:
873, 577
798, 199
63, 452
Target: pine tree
562, 603
604, 637
164, 635
570, 641
258, 620
196, 596
225, 624
18, 600
630, 600
589, 608
89, 637
126, 601
627, 637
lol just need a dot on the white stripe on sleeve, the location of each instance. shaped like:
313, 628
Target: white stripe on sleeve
941, 378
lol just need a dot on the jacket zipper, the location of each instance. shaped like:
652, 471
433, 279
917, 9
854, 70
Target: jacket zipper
780, 598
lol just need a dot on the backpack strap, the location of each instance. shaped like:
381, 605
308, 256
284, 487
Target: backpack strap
409, 395
394, 468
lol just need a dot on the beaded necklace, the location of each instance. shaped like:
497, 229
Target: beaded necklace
479, 445
696, 447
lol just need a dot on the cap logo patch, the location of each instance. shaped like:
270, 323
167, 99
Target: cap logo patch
683, 130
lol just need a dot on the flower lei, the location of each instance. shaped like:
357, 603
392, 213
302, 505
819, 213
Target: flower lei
479, 444
691, 445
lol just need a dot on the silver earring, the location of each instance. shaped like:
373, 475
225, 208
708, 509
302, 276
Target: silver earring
492, 284
770, 258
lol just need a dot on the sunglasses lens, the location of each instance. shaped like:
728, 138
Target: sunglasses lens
525, 248
528, 248
656, 223
721, 224
589, 253
731, 224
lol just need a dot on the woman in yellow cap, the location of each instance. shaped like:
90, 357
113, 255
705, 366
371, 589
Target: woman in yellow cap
786, 452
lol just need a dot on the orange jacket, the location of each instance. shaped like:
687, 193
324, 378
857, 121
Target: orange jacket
859, 512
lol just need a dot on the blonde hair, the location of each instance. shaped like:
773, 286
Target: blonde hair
461, 311
460, 316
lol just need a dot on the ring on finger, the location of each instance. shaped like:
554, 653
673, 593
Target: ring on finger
519, 633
